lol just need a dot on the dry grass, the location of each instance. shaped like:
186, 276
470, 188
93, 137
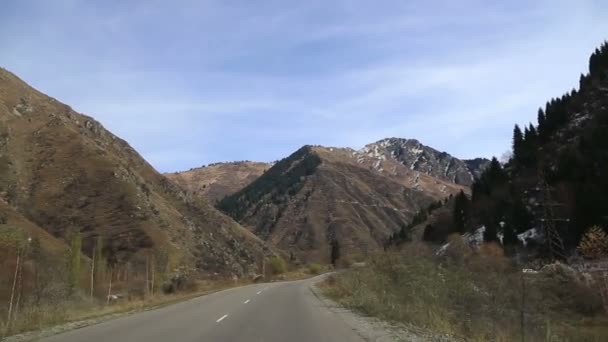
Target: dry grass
82, 308
32, 318
476, 296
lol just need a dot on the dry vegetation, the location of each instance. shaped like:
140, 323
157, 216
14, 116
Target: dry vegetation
41, 288
216, 181
478, 296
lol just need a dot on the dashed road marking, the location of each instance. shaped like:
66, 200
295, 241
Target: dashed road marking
221, 318
247, 301
259, 291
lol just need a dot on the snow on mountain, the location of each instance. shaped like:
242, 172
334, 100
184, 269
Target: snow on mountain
418, 157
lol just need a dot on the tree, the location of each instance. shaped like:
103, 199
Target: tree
100, 260
335, 251
74, 256
518, 140
37, 258
490, 233
461, 212
13, 239
509, 237
594, 244
98, 264
541, 121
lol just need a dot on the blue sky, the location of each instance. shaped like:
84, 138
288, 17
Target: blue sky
192, 82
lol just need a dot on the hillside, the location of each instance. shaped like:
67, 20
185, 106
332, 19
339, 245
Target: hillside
321, 199
555, 181
64, 172
216, 181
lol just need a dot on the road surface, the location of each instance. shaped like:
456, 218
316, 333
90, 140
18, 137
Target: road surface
275, 312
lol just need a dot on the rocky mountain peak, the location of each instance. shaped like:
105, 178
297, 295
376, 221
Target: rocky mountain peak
419, 157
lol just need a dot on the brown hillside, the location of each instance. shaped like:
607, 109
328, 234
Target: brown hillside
319, 195
11, 219
63, 171
216, 181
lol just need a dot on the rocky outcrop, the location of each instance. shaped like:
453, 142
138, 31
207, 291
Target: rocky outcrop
418, 157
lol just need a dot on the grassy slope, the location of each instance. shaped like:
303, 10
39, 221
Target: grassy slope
217, 181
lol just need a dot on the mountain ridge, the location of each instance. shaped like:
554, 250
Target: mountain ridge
322, 196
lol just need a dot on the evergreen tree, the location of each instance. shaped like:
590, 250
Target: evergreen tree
518, 140
532, 134
490, 234
461, 212
594, 63
509, 236
541, 121
335, 251
496, 173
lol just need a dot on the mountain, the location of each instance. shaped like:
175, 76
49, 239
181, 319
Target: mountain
320, 199
216, 181
63, 172
555, 181
418, 157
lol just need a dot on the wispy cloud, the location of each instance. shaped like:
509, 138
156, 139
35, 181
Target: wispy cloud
190, 82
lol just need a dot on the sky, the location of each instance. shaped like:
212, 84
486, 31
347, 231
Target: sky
190, 82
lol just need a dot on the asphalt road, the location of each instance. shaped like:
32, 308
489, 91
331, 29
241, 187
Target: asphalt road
276, 312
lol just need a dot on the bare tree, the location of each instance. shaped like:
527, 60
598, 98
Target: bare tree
14, 287
93, 270
109, 287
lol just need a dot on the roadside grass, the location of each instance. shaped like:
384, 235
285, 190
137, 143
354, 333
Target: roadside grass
40, 317
33, 318
478, 296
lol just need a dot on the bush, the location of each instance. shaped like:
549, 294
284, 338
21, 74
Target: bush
277, 265
478, 295
315, 268
594, 244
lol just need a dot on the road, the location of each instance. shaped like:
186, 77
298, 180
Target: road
275, 312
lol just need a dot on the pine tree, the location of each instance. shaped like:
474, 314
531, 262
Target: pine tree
335, 252
532, 134
541, 121
518, 140
461, 212
490, 234
509, 237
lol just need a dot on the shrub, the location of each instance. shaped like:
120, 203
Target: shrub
594, 244
315, 268
479, 295
277, 265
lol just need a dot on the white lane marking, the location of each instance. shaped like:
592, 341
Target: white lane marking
247, 301
222, 318
259, 292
